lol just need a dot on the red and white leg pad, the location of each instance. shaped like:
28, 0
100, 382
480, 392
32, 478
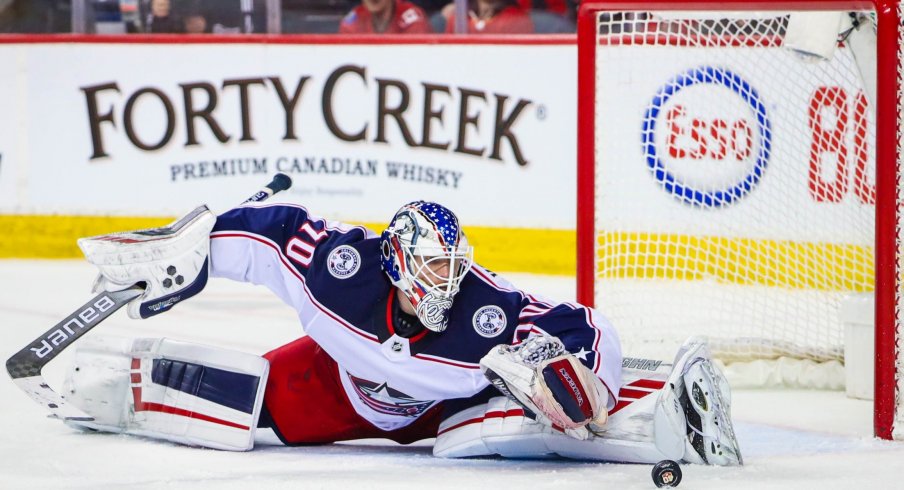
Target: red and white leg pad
499, 428
166, 389
678, 411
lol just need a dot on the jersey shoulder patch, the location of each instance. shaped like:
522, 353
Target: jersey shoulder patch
343, 262
489, 321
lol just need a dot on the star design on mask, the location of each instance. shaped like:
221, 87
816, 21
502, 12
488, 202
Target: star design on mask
582, 354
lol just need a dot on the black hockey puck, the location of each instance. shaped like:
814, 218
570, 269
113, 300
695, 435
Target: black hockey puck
666, 474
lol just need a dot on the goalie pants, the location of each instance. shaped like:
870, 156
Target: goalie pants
306, 404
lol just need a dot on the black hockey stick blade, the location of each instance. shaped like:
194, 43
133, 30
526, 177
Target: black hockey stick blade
25, 366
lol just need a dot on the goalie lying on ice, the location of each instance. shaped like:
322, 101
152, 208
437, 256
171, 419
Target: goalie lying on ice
407, 339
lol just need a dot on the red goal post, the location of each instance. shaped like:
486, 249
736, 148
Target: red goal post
759, 148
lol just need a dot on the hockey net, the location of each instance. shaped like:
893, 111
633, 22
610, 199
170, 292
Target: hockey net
727, 178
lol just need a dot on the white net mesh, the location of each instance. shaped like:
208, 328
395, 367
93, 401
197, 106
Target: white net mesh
735, 184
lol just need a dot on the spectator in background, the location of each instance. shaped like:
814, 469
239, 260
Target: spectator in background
385, 16
195, 24
35, 16
492, 17
8, 16
551, 16
161, 19
430, 6
194, 17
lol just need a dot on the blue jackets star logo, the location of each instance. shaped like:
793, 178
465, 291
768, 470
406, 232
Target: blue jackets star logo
381, 398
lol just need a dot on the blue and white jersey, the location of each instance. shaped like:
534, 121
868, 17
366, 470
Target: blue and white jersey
330, 273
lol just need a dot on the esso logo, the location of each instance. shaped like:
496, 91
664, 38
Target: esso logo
706, 137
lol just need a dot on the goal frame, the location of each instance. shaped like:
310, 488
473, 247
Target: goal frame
887, 176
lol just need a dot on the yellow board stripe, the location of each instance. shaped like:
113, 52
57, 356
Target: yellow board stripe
539, 251
793, 265
507, 249
53, 237
621, 255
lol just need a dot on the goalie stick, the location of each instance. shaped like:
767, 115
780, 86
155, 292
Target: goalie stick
25, 366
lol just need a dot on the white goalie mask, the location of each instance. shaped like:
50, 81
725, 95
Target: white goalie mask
426, 256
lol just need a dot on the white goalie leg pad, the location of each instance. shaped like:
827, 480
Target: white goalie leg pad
97, 381
498, 427
164, 389
677, 411
628, 437
459, 435
172, 261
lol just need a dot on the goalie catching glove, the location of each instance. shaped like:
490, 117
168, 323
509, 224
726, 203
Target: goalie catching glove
549, 383
171, 261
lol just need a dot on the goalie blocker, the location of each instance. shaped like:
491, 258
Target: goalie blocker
171, 262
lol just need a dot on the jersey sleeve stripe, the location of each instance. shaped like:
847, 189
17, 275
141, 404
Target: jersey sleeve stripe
532, 310
597, 335
540, 301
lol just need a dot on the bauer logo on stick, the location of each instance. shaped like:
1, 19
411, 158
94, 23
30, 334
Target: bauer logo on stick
707, 137
85, 317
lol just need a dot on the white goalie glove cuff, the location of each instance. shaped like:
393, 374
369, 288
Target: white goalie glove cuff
172, 261
549, 382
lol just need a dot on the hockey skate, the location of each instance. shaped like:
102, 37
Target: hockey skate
698, 397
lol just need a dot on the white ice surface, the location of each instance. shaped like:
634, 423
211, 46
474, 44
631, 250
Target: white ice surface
790, 439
